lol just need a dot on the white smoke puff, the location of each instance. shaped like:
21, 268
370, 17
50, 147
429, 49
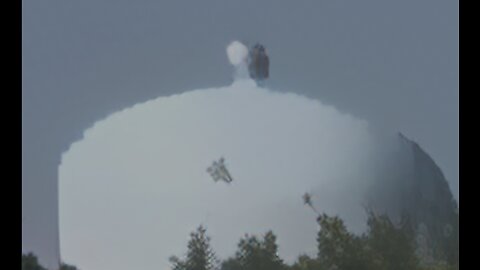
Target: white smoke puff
237, 53
134, 188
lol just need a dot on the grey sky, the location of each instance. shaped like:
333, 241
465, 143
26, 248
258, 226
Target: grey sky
394, 63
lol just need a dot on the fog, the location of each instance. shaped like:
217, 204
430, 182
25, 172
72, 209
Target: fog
136, 185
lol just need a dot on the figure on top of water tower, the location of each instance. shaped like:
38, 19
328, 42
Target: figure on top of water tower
258, 63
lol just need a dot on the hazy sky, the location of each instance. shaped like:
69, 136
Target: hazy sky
394, 63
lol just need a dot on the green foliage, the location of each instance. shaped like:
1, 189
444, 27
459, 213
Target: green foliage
30, 262
200, 255
390, 247
231, 264
255, 254
304, 262
440, 266
338, 248
385, 246
451, 241
65, 266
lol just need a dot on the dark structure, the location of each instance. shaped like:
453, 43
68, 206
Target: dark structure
258, 63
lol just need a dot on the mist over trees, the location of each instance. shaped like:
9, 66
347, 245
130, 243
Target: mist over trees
384, 246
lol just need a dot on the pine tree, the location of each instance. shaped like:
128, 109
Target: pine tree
255, 254
249, 253
270, 252
200, 255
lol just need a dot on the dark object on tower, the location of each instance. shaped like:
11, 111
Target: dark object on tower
258, 63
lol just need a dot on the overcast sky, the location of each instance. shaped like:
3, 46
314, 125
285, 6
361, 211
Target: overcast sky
393, 63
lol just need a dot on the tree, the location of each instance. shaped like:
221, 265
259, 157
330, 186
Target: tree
338, 248
65, 266
450, 243
255, 254
231, 264
391, 247
439, 266
200, 255
304, 262
30, 262
270, 252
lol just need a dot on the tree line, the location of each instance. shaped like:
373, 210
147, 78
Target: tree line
384, 246
30, 262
